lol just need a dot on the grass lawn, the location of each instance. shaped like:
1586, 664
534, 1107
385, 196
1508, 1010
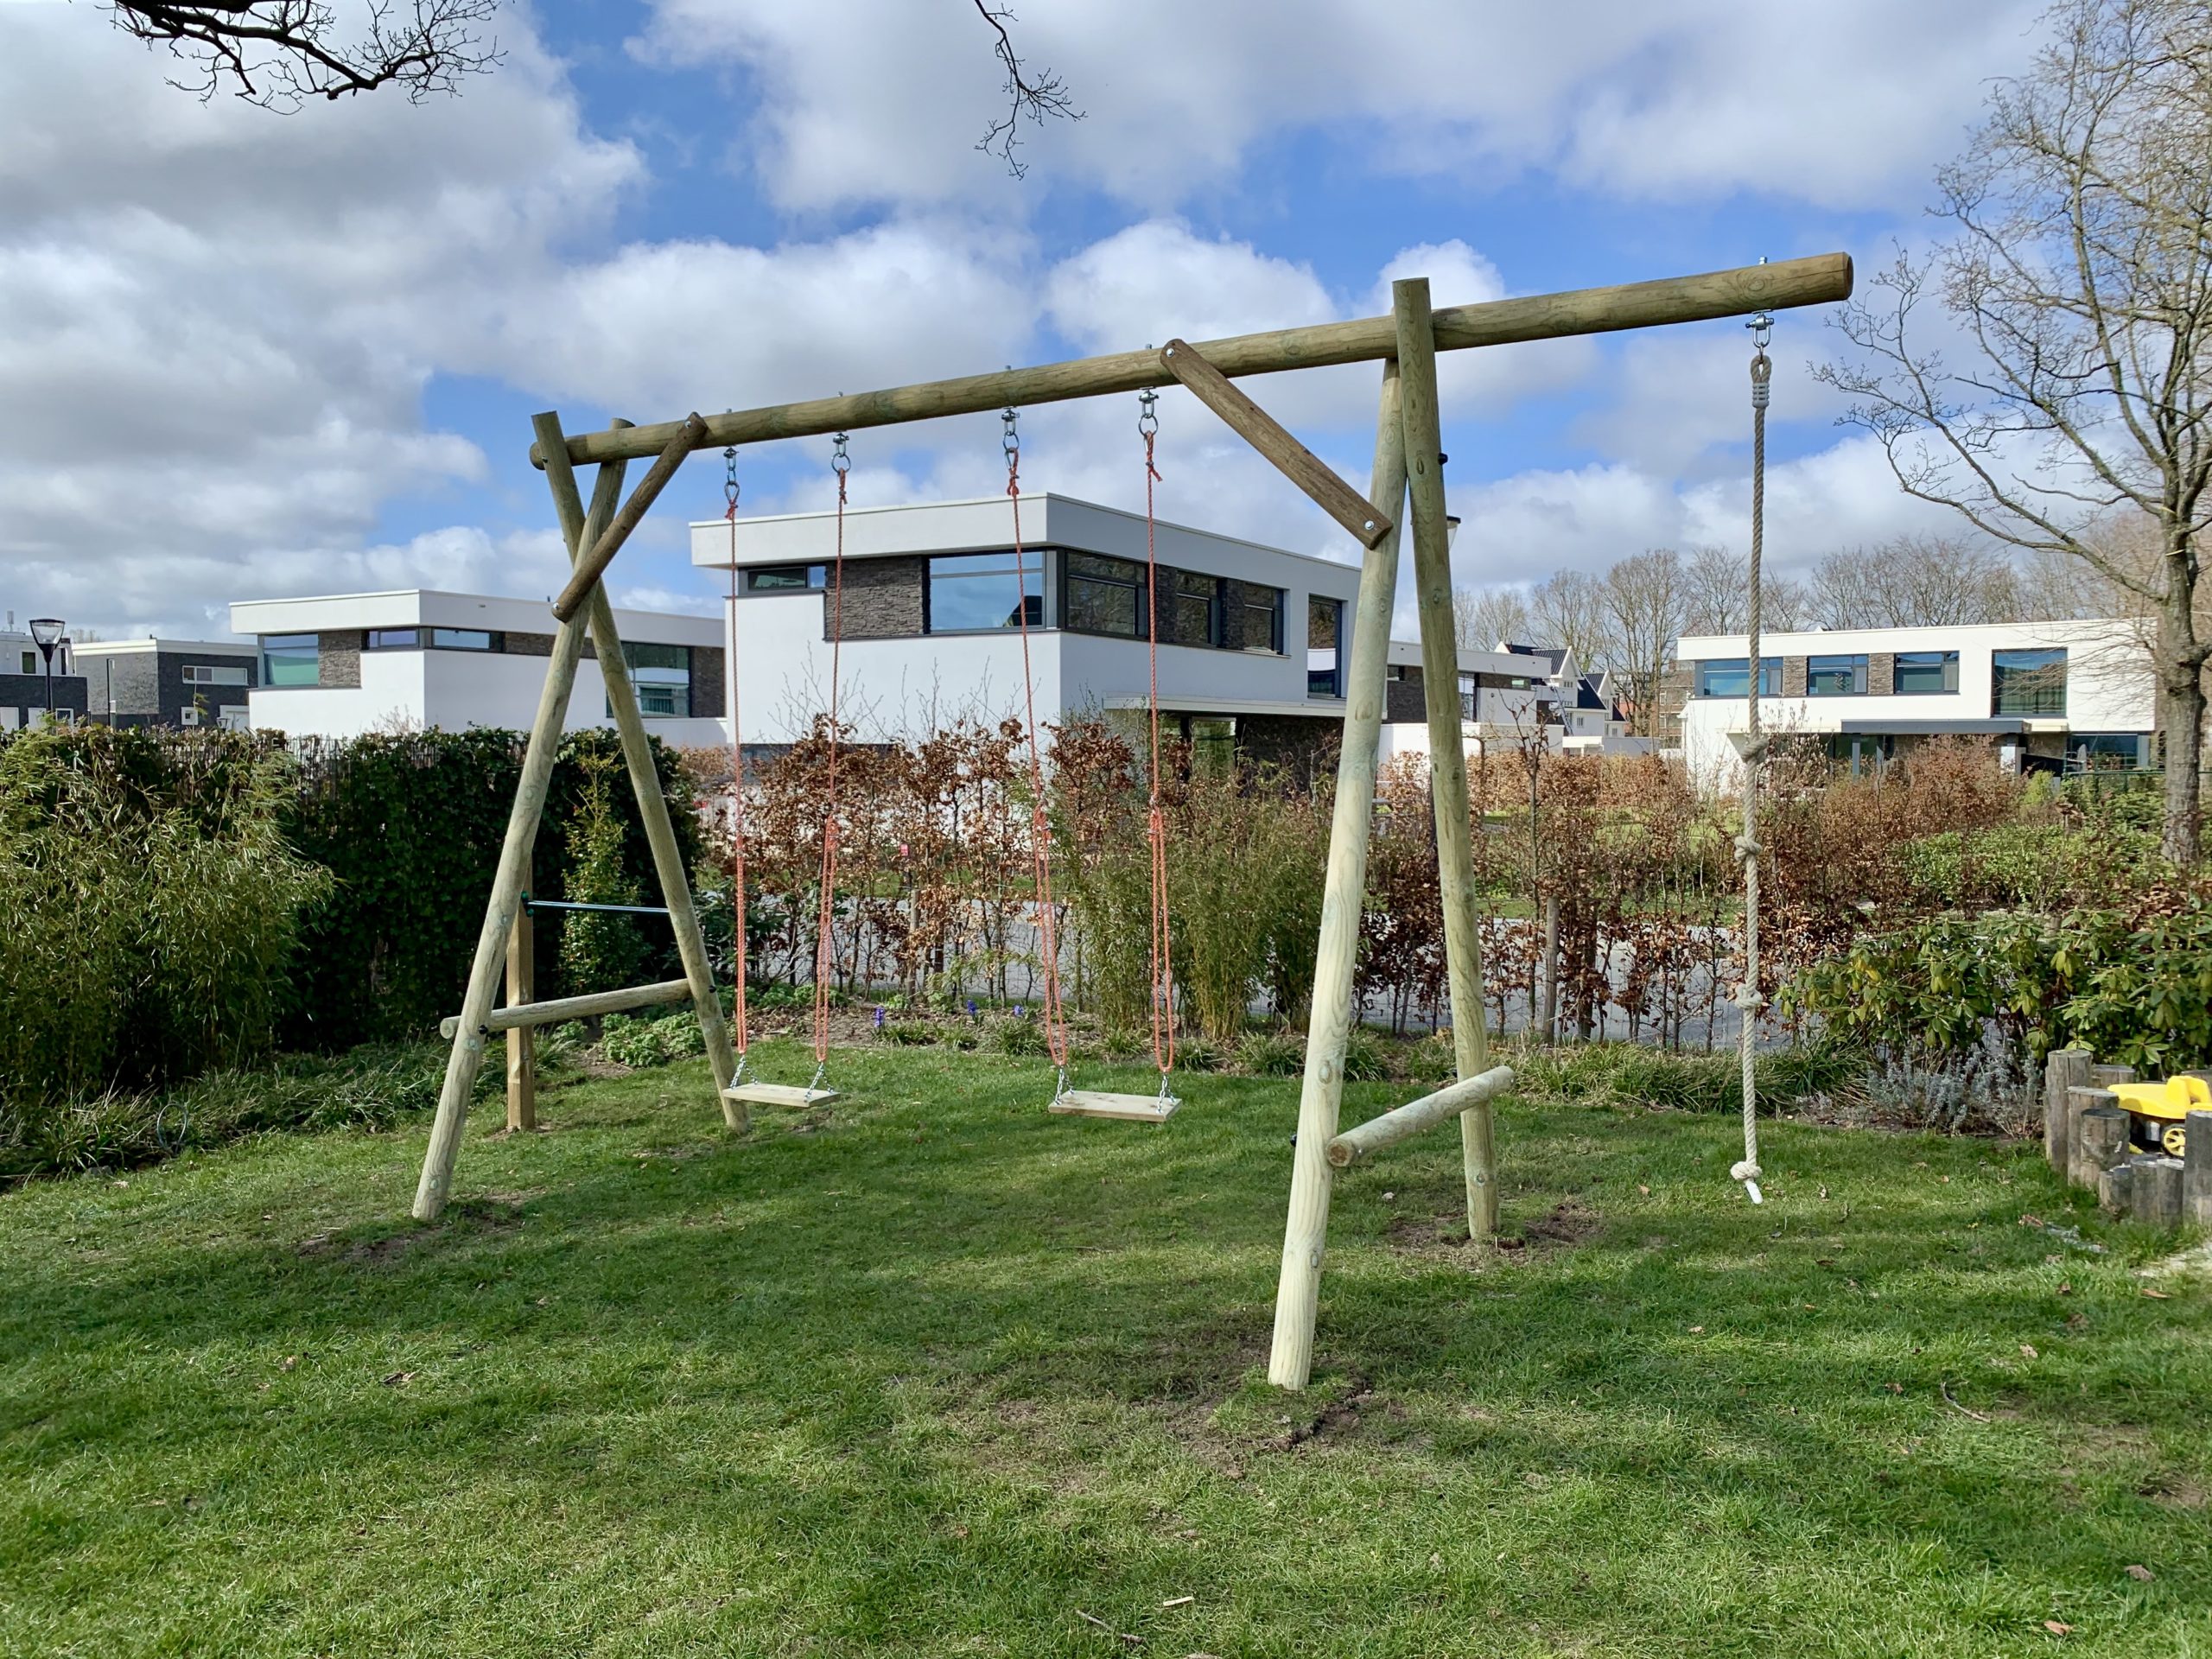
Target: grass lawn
939, 1374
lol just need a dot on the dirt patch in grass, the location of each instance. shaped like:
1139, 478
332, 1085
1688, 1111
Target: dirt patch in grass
380, 1247
2170, 1490
1567, 1223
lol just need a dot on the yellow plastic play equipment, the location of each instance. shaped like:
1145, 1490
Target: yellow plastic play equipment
2157, 1111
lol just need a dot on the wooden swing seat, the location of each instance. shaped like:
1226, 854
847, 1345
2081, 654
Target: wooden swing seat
778, 1094
1096, 1102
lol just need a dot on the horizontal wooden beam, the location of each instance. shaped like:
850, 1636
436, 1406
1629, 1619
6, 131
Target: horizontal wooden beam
1275, 442
1819, 280
563, 1008
1412, 1118
687, 436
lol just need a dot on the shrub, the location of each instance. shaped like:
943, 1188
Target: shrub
1197, 1054
909, 1033
639, 1043
1019, 1037
1270, 1054
149, 930
1366, 1056
600, 950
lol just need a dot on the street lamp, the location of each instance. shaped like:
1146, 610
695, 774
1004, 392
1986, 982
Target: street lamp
45, 634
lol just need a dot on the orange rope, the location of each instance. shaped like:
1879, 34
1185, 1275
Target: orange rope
737, 787
824, 939
1163, 971
1040, 825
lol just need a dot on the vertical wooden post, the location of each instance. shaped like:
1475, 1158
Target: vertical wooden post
644, 782
522, 1060
1551, 970
1447, 752
2104, 1141
2196, 1169
2080, 1101
2155, 1194
2067, 1068
513, 874
1335, 1001
2105, 1075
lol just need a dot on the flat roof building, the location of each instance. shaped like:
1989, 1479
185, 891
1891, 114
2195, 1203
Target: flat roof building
169, 682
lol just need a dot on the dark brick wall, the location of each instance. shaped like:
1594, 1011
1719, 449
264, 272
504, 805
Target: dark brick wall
1407, 699
124, 685
528, 644
707, 692
1793, 676
1881, 673
338, 657
28, 692
176, 696
883, 599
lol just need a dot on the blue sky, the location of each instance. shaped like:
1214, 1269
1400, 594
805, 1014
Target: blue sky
276, 354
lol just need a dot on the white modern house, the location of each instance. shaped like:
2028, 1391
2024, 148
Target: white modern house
1251, 637
342, 665
2051, 695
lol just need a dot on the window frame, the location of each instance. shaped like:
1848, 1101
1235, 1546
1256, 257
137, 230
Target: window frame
1770, 670
1847, 662
444, 639
292, 644
1277, 600
392, 639
2054, 657
815, 579
1033, 563
1946, 663
1133, 583
211, 674
654, 683
1215, 599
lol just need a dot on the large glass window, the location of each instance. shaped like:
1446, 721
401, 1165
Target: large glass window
2028, 683
1262, 619
395, 638
1926, 672
1836, 677
2107, 751
1104, 595
976, 590
1730, 677
786, 578
662, 677
461, 640
208, 674
1197, 601
289, 659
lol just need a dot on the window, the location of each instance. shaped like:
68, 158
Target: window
976, 590
461, 640
395, 638
2107, 751
1196, 602
786, 578
1261, 619
189, 716
209, 674
289, 659
1325, 658
1466, 697
1213, 742
2028, 682
30, 661
1104, 595
662, 674
1727, 676
1925, 672
1836, 677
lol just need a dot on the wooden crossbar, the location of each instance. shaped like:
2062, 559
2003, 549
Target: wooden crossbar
561, 1010
1410, 1119
1785, 285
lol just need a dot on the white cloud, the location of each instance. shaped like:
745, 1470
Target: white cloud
881, 101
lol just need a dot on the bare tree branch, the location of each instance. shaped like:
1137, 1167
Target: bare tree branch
1034, 96
279, 54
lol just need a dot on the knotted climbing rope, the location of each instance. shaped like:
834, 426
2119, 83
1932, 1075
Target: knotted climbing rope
1748, 999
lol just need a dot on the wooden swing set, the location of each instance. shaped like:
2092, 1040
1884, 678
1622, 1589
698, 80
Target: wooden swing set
1407, 471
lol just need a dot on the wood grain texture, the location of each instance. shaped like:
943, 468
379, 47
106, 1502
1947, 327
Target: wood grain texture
2065, 1069
2079, 1102
1097, 1103
561, 1010
1447, 754
1344, 888
687, 436
776, 1094
522, 1058
2196, 1169
1820, 279
1274, 442
1415, 1116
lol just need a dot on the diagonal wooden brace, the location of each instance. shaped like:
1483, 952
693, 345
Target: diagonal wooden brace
1274, 440
593, 565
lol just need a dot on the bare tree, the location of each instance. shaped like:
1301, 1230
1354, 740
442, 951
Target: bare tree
1646, 598
1569, 609
1035, 96
1911, 581
1716, 590
279, 54
1482, 617
2080, 275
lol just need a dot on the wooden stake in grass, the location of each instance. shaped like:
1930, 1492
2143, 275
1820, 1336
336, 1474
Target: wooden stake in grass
2066, 1068
522, 1069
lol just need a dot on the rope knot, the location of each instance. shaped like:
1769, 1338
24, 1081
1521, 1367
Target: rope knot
1747, 849
1744, 1170
1748, 999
